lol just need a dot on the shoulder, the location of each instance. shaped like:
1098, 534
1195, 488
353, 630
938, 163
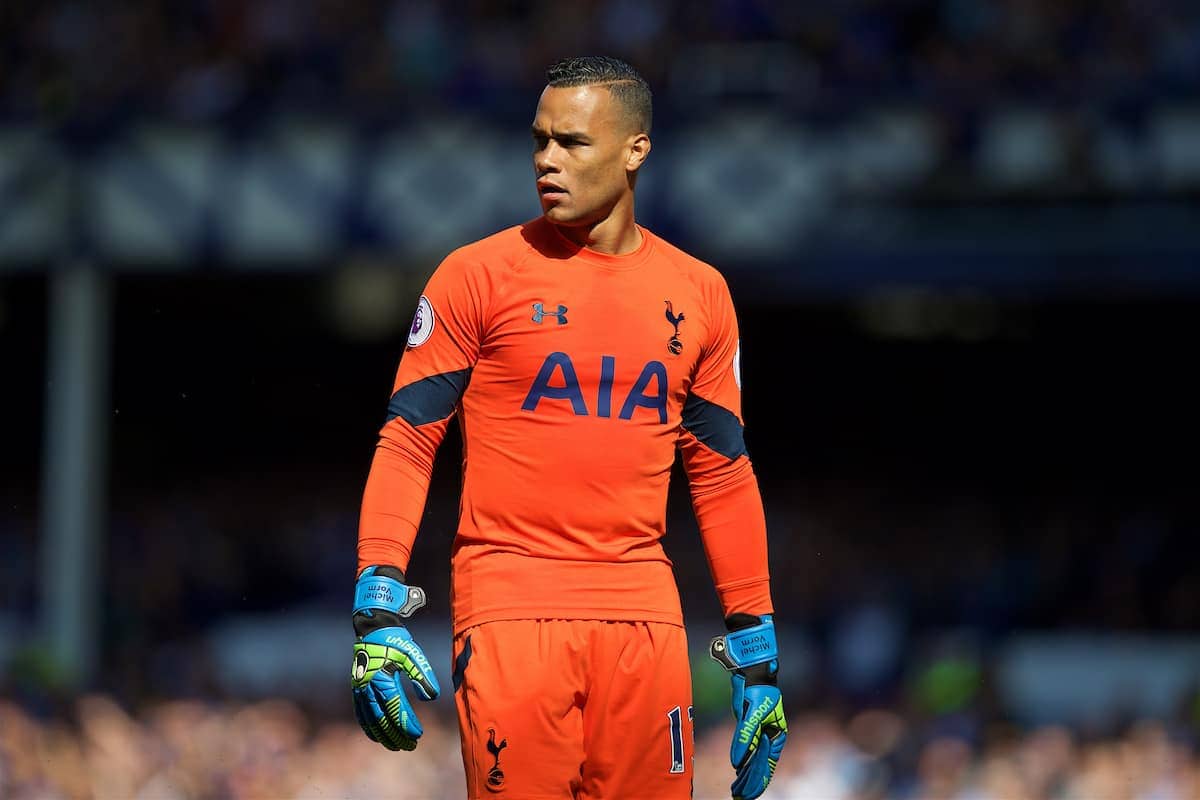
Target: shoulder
484, 264
502, 248
705, 276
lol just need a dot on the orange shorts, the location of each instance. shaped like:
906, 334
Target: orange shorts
574, 709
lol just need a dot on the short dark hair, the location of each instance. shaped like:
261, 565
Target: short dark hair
623, 81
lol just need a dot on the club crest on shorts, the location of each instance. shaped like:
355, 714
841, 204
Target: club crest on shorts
495, 778
674, 346
422, 323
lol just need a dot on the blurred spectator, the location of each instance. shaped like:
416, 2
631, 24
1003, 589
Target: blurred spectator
276, 749
78, 63
170, 576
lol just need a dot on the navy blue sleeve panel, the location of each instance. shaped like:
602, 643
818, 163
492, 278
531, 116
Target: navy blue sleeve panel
712, 445
715, 427
429, 399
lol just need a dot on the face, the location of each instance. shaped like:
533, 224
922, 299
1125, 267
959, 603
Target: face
584, 154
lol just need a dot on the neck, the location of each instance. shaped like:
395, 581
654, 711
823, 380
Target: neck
614, 235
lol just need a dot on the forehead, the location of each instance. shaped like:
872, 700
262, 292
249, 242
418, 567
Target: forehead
574, 107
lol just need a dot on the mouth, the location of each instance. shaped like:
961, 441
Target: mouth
551, 191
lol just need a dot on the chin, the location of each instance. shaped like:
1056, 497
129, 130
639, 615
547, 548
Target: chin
559, 215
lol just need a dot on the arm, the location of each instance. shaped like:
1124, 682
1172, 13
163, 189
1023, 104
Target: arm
724, 488
442, 347
729, 512
434, 371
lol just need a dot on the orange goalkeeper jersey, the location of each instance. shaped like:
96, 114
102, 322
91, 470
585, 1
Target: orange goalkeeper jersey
577, 376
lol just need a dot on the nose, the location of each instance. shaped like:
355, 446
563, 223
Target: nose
545, 159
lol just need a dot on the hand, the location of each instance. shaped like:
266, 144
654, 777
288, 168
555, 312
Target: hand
749, 652
385, 655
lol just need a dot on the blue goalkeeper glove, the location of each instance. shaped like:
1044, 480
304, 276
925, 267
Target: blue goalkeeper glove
385, 655
750, 653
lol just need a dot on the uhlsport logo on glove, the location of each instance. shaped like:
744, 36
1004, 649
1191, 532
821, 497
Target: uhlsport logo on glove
751, 723
410, 649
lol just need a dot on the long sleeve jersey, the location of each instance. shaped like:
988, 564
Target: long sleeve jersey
577, 376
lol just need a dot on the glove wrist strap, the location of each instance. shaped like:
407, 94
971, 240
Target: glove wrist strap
379, 592
746, 647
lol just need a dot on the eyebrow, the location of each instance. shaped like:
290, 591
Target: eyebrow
576, 135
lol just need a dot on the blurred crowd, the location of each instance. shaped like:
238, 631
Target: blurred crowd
864, 575
274, 750
85, 64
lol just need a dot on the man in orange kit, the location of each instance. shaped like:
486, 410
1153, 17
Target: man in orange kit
580, 352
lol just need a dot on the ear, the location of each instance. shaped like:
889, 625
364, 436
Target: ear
639, 148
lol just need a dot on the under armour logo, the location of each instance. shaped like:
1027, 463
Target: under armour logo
539, 313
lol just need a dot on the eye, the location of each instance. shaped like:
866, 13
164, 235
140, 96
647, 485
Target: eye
540, 142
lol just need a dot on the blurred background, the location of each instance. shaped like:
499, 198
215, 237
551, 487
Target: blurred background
964, 241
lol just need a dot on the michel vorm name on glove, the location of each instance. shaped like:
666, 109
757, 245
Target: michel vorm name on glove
746, 647
759, 648
379, 592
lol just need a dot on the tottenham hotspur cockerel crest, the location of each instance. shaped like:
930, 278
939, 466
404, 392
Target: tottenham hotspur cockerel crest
674, 346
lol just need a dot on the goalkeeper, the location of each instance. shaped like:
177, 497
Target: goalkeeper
581, 353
